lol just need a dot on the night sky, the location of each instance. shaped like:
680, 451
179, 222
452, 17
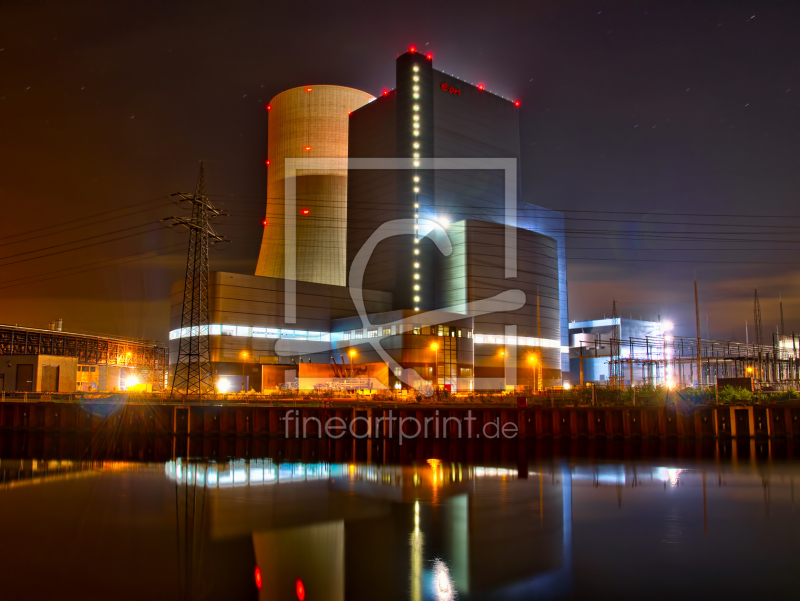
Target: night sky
674, 119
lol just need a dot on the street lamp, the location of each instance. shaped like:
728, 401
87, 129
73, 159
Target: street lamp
244, 358
532, 360
435, 349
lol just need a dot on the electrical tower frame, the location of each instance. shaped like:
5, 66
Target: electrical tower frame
193, 368
616, 363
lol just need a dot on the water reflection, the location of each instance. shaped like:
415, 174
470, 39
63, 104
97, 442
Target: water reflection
436, 529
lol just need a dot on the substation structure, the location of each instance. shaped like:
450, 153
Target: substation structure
673, 361
40, 360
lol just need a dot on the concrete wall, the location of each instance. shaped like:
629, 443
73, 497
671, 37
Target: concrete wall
68, 367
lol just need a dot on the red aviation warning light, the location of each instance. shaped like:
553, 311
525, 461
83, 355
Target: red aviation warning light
412, 49
305, 211
306, 148
269, 107
259, 580
429, 56
264, 222
308, 89
267, 162
480, 86
300, 589
385, 92
516, 103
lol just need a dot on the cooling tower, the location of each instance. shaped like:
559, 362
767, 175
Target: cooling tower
309, 122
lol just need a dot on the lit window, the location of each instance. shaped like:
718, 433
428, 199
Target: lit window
416, 68
416, 107
416, 177
416, 299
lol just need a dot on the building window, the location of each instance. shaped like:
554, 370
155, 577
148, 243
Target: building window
417, 331
372, 333
387, 332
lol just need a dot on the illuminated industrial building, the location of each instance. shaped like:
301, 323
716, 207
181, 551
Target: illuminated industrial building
499, 292
52, 360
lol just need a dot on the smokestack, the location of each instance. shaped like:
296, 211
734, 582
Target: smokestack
59, 324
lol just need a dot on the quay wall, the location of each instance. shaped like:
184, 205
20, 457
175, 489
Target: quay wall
404, 422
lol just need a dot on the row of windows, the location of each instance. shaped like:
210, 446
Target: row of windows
364, 333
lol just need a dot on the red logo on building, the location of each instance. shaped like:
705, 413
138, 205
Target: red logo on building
451, 89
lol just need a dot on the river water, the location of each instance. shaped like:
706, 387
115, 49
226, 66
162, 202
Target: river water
535, 522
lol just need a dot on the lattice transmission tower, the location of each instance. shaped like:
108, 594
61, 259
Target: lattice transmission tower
193, 368
616, 358
757, 317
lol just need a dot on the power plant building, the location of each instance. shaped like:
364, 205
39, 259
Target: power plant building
416, 201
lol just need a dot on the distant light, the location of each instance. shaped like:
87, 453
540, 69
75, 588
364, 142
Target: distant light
267, 162
412, 49
349, 112
264, 222
567, 386
416, 299
667, 325
305, 211
480, 86
429, 56
300, 589
269, 107
131, 381
385, 92
516, 103
416, 68
259, 580
306, 148
308, 89
223, 385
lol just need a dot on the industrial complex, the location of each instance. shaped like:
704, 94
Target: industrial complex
398, 251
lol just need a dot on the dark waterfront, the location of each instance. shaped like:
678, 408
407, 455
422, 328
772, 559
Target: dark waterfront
98, 519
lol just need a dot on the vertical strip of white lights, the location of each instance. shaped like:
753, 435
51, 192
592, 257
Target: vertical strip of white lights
415, 124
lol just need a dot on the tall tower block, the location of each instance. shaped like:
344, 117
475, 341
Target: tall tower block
309, 122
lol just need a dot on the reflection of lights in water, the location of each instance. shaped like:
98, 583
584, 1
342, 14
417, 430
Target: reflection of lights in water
434, 463
443, 589
671, 475
416, 557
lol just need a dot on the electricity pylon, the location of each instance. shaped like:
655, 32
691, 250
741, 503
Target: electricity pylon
193, 367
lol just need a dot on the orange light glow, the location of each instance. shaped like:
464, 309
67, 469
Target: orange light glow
305, 211
259, 581
306, 148
434, 463
434, 346
308, 89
